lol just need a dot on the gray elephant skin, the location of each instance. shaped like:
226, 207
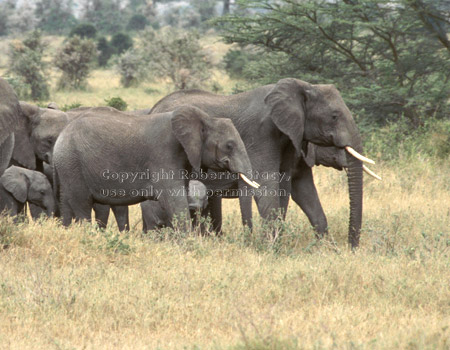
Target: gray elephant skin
154, 216
14, 141
19, 185
274, 121
313, 155
46, 124
92, 149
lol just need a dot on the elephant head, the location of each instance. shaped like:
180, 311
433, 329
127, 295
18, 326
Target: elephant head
46, 125
197, 196
29, 185
318, 114
12, 120
211, 143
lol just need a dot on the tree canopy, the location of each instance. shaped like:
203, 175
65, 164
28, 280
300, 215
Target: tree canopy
389, 57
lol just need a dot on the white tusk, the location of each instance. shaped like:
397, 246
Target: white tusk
250, 182
358, 156
371, 173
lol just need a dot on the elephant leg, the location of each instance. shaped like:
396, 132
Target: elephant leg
81, 204
177, 210
245, 203
144, 220
304, 193
101, 214
215, 210
66, 211
285, 190
121, 215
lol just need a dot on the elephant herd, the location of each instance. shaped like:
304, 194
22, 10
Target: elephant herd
185, 154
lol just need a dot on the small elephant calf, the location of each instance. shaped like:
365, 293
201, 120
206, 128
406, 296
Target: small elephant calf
19, 185
154, 216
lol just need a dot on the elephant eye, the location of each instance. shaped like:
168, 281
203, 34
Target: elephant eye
230, 146
335, 116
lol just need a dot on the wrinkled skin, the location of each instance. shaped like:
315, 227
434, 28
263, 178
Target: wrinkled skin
304, 192
14, 141
153, 215
172, 143
274, 121
19, 185
46, 125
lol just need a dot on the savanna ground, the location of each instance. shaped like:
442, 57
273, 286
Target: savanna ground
84, 288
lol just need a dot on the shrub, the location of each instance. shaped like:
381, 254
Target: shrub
74, 59
68, 107
117, 103
177, 55
84, 30
130, 66
236, 60
105, 51
137, 22
26, 65
121, 42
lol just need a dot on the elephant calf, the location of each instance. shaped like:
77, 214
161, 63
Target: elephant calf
154, 216
19, 185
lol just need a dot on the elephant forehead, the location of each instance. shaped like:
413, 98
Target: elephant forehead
225, 125
51, 119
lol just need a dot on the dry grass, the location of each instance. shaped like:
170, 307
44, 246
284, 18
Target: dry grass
81, 288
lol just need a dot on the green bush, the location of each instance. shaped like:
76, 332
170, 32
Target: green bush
121, 42
27, 67
105, 51
177, 55
137, 22
74, 59
84, 30
70, 106
131, 67
397, 141
117, 103
235, 62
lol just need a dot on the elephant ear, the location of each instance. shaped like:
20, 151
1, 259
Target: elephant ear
16, 183
23, 152
287, 101
310, 156
188, 125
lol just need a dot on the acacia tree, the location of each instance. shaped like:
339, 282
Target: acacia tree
75, 59
379, 53
177, 55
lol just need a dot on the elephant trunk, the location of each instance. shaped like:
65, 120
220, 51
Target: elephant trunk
355, 189
50, 208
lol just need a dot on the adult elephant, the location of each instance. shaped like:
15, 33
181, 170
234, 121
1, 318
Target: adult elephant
112, 158
274, 121
14, 129
45, 125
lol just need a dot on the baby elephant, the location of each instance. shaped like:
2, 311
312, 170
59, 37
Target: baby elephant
19, 185
154, 216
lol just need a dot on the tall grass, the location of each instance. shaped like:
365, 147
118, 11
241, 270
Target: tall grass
84, 288
79, 287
